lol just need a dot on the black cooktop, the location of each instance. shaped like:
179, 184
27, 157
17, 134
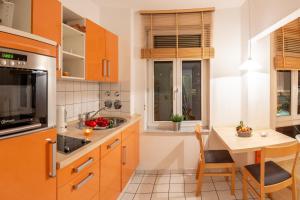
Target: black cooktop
66, 144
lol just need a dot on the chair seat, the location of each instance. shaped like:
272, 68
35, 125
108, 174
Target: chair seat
217, 156
273, 173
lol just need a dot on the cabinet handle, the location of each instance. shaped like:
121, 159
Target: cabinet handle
104, 68
60, 57
83, 182
124, 156
114, 144
84, 165
52, 157
108, 68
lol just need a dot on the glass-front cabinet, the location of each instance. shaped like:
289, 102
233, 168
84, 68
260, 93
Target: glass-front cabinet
284, 86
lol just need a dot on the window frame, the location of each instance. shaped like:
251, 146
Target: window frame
177, 96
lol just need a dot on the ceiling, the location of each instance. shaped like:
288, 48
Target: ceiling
171, 4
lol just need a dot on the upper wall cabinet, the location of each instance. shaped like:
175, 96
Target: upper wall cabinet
101, 54
46, 19
95, 52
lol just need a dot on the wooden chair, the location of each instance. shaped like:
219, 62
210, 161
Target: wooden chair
213, 159
273, 176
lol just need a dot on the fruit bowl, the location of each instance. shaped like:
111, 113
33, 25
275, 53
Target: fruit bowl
243, 131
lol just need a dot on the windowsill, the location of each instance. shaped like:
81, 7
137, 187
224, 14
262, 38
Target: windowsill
182, 131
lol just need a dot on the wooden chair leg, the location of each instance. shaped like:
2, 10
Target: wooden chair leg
198, 170
245, 186
262, 194
233, 179
294, 189
200, 179
227, 177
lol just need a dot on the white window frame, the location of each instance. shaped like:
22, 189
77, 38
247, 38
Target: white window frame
177, 99
294, 117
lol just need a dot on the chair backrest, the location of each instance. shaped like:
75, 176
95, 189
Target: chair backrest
276, 152
199, 137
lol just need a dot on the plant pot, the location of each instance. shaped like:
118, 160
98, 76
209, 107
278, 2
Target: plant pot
176, 126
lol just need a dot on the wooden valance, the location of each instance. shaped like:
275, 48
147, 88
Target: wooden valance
183, 33
287, 46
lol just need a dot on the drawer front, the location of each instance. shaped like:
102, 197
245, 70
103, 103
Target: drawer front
110, 145
83, 187
79, 166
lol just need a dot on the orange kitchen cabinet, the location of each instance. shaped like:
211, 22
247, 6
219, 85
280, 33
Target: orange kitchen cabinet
84, 187
46, 19
95, 52
112, 54
130, 152
110, 170
25, 166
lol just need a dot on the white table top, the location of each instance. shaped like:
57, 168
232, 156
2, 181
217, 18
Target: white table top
237, 144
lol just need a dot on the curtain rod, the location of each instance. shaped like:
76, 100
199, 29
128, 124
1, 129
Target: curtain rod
194, 10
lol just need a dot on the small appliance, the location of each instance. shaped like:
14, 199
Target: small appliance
61, 116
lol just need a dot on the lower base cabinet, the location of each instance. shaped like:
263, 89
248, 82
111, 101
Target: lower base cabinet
83, 187
110, 170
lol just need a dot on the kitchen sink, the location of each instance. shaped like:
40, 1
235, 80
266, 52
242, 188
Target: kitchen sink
115, 122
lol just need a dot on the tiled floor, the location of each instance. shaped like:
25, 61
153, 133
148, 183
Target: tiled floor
179, 186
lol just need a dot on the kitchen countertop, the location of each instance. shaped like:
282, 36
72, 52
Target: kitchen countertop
13, 31
99, 137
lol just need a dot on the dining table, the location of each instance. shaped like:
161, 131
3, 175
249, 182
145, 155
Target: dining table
259, 138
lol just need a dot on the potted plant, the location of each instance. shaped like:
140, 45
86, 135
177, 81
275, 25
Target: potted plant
176, 119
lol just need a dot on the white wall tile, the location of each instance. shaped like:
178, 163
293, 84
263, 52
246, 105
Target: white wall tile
125, 96
69, 85
83, 86
70, 111
60, 98
77, 97
125, 107
83, 107
115, 86
84, 96
77, 86
125, 86
61, 86
69, 98
105, 86
77, 109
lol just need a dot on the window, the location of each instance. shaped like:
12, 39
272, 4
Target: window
284, 93
177, 86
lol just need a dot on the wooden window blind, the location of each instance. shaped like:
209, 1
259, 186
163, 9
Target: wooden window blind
286, 41
178, 34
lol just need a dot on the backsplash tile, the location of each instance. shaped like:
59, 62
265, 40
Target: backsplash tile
83, 96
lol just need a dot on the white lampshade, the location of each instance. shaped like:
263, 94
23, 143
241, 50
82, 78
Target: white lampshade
250, 64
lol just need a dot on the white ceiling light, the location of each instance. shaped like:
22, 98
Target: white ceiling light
249, 64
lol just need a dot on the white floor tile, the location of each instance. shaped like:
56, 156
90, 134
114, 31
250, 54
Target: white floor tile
149, 179
161, 188
190, 187
162, 180
226, 194
210, 195
176, 188
206, 187
176, 196
160, 196
190, 178
142, 197
177, 179
127, 196
145, 188
192, 196
132, 188
221, 185
137, 178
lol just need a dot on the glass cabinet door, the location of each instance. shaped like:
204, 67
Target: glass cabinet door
284, 79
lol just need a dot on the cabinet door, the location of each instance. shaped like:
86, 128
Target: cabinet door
112, 56
95, 51
25, 167
128, 159
46, 19
110, 178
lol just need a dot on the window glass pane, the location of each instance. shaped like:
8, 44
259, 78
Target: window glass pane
163, 90
191, 90
283, 93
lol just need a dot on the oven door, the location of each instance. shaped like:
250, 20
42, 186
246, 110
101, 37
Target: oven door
23, 99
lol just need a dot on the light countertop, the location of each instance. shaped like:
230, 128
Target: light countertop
250, 144
13, 31
99, 137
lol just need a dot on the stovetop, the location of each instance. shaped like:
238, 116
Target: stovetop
66, 144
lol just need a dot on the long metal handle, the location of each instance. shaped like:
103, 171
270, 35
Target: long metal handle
83, 182
104, 68
52, 158
20, 129
108, 68
124, 156
84, 165
114, 144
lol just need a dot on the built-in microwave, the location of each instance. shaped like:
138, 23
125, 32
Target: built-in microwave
27, 91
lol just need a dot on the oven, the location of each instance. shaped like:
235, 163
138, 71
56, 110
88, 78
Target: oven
27, 92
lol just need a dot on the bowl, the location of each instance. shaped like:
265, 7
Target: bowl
244, 133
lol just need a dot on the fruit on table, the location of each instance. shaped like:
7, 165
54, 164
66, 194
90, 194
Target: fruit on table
91, 123
243, 128
102, 122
